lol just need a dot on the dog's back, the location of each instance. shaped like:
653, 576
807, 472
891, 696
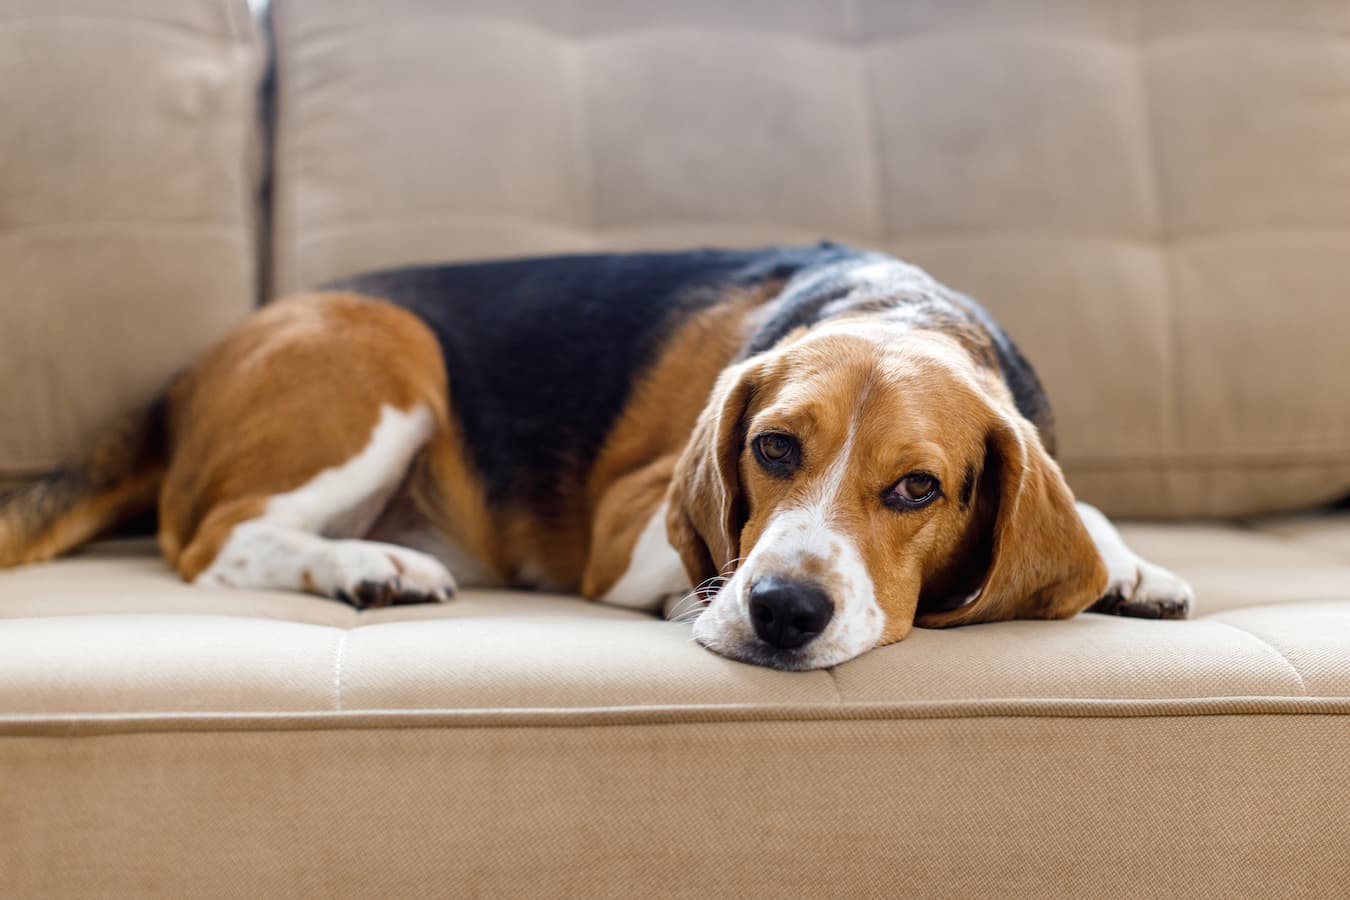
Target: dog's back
542, 354
544, 358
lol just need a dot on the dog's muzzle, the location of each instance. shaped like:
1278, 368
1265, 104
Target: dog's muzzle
788, 614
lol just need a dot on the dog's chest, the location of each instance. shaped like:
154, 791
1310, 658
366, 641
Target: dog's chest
654, 570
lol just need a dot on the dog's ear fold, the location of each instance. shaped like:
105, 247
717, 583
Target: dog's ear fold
1042, 562
706, 504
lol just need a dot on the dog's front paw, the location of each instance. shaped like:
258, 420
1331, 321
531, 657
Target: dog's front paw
1146, 591
372, 574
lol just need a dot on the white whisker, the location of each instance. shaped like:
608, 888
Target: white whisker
731, 564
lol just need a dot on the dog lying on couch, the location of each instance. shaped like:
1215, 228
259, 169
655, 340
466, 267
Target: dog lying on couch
821, 446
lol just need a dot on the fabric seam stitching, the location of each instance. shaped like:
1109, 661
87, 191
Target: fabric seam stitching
1303, 685
337, 668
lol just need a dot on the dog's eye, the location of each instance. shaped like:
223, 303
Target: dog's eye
776, 452
914, 490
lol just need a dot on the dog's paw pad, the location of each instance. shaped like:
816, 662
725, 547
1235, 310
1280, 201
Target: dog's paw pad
374, 575
1147, 591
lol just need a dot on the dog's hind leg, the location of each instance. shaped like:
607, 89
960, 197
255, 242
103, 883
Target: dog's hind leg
290, 439
1136, 586
295, 541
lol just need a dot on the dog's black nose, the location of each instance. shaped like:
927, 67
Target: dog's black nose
787, 614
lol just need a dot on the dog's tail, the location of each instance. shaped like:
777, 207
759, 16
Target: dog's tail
72, 504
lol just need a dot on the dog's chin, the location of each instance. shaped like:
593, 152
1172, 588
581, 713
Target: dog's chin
756, 653
727, 637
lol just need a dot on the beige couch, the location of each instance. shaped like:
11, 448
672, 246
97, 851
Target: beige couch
1153, 196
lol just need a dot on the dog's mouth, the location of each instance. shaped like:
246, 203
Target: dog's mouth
735, 640
756, 653
762, 618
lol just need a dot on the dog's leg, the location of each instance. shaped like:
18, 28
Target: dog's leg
632, 563
291, 438
1136, 587
295, 543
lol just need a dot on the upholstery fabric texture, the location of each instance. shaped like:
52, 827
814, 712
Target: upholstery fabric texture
174, 741
129, 165
967, 806
1151, 196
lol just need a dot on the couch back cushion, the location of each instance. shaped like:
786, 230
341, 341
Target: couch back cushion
1153, 197
128, 181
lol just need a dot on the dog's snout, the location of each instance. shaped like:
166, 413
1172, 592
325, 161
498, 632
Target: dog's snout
788, 614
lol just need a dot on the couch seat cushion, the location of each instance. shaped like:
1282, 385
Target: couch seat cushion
525, 745
112, 632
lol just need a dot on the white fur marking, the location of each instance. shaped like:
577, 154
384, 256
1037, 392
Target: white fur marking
654, 570
285, 548
1130, 576
345, 500
792, 536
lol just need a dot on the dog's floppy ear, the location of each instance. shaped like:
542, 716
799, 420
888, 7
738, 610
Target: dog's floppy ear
706, 505
1042, 562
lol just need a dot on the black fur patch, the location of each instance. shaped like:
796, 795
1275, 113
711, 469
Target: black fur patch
542, 353
805, 298
968, 487
828, 289
1028, 394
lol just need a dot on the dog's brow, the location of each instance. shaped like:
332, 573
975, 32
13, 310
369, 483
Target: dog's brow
968, 487
799, 419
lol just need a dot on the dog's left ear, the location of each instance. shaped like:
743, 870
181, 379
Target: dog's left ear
1042, 562
706, 508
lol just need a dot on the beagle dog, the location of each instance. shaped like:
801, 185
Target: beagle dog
814, 448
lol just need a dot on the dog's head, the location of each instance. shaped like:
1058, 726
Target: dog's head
859, 479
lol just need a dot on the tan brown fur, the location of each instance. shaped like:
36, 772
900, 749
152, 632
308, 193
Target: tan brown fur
448, 494
298, 388
633, 469
119, 478
704, 521
84, 520
294, 390
622, 513
916, 400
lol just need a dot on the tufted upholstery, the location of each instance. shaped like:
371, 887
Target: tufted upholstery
129, 166
512, 744
1152, 196
1273, 624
